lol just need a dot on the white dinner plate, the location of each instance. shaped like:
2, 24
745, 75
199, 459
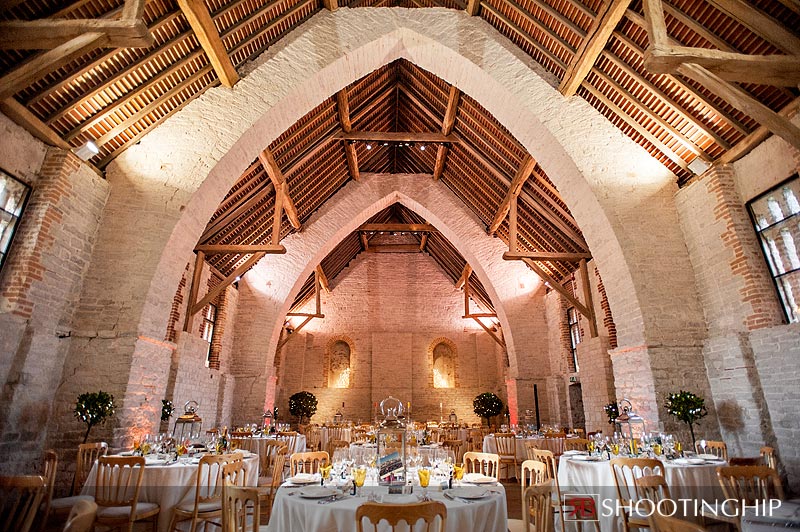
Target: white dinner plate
469, 492
689, 461
708, 456
476, 478
585, 458
304, 478
574, 453
317, 492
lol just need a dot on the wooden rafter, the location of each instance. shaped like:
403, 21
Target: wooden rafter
448, 122
395, 136
230, 279
200, 20
539, 255
323, 279
20, 114
760, 24
225, 249
755, 138
397, 228
423, 241
477, 317
331, 5
199, 261
523, 173
592, 45
473, 7
281, 186
343, 112
466, 272
319, 275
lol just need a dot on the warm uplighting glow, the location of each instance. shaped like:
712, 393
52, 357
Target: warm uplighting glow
439, 380
343, 380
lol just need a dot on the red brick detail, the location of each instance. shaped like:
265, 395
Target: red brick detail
219, 330
608, 320
35, 237
740, 238
175, 310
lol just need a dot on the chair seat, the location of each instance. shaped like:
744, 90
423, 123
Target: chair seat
65, 504
516, 525
122, 513
202, 508
265, 481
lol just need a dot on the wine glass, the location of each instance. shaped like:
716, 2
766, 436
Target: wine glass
703, 444
359, 476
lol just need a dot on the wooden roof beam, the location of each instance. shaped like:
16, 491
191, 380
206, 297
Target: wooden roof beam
546, 256
398, 228
323, 279
464, 276
281, 186
200, 20
473, 7
760, 24
396, 136
225, 249
27, 120
331, 5
343, 112
522, 175
592, 45
747, 144
448, 123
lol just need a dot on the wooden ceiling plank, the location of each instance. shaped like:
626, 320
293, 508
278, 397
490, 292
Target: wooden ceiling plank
583, 8
222, 249
197, 275
27, 72
762, 25
394, 248
438, 165
592, 45
282, 23
352, 161
755, 138
546, 256
331, 5
776, 123
24, 118
397, 228
692, 24
277, 217
423, 241
640, 129
529, 17
200, 20
396, 136
343, 112
523, 173
236, 210
46, 34
794, 5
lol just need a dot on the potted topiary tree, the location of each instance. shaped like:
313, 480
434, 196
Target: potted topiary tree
93, 408
303, 405
686, 407
487, 405
612, 411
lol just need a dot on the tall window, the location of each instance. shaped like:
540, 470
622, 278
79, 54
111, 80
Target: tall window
443, 354
776, 217
13, 196
207, 330
574, 336
339, 364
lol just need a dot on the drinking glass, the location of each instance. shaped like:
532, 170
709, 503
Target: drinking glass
458, 471
679, 447
359, 476
657, 450
424, 476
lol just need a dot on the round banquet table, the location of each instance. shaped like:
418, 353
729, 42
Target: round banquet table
171, 485
696, 482
290, 511
258, 445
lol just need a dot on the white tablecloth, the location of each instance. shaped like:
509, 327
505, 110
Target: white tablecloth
697, 482
291, 512
259, 445
170, 485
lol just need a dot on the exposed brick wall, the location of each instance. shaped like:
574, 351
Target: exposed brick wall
175, 311
608, 319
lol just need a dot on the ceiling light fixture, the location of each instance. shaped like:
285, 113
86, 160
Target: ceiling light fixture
87, 150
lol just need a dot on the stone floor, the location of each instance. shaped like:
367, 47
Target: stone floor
513, 499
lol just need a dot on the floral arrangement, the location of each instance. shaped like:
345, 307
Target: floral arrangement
303, 405
93, 408
686, 407
487, 405
166, 409
612, 411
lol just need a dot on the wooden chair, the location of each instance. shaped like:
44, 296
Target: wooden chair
81, 517
117, 485
625, 472
745, 460
665, 523
88, 453
49, 468
487, 464
747, 485
475, 440
313, 438
272, 449
396, 513
289, 438
457, 446
241, 440
234, 474
530, 449
266, 492
551, 473
207, 503
507, 449
576, 444
273, 468
337, 444
339, 433
579, 432
768, 455
533, 472
717, 448
310, 462
537, 510
240, 509
20, 497
654, 488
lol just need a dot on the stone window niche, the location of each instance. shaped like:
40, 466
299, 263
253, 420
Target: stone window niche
776, 218
339, 356
13, 197
443, 353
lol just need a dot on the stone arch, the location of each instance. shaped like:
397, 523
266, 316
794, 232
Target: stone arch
339, 356
183, 169
443, 357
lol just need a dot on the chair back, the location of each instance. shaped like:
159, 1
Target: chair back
397, 513
242, 440
654, 488
289, 438
337, 444
234, 474
717, 448
537, 507
666, 523
750, 484
313, 438
308, 462
339, 433
576, 444
506, 444
277, 469
240, 509
88, 453
579, 432
209, 485
271, 449
20, 497
487, 464
81, 517
49, 468
533, 472
768, 455
549, 460
625, 472
457, 446
475, 440
118, 481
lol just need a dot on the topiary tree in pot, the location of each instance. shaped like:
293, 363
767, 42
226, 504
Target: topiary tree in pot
487, 405
303, 405
93, 408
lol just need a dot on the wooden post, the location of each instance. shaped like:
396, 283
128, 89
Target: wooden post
512, 226
276, 224
587, 296
196, 276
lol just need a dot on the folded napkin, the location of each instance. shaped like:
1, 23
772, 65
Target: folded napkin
477, 477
